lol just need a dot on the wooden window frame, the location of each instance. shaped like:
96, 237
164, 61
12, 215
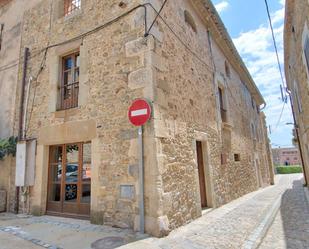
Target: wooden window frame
69, 90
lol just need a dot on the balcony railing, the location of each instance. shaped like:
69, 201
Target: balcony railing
69, 96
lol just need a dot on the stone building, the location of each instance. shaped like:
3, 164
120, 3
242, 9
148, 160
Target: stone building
205, 145
296, 57
11, 16
286, 156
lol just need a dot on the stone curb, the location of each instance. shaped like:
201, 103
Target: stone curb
256, 237
306, 190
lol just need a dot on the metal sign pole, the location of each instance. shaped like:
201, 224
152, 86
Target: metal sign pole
141, 179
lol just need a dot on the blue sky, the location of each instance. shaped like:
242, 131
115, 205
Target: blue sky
248, 25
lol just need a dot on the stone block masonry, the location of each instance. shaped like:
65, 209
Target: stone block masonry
118, 64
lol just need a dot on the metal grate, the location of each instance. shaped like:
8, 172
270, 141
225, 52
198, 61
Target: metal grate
70, 6
70, 81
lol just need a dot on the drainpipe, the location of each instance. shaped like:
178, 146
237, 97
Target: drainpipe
22, 96
297, 136
21, 113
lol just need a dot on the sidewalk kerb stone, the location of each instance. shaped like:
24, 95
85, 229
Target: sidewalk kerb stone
306, 190
258, 234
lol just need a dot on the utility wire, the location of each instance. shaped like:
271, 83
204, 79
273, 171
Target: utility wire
279, 119
158, 14
278, 62
81, 36
275, 45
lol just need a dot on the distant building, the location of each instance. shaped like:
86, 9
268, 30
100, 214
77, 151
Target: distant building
286, 156
296, 57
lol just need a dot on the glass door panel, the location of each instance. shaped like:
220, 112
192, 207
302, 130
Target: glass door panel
69, 187
54, 192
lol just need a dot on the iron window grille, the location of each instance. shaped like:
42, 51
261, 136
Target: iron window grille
70, 81
70, 6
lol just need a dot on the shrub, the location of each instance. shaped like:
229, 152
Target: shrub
7, 147
289, 169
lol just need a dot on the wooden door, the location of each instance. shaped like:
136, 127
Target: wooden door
69, 181
201, 173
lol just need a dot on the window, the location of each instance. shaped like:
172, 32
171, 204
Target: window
253, 131
252, 103
306, 51
190, 21
223, 158
1, 31
227, 69
70, 81
223, 110
236, 157
70, 6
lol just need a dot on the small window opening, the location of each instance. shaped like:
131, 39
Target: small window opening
227, 69
70, 6
252, 103
236, 157
1, 31
223, 158
190, 21
223, 110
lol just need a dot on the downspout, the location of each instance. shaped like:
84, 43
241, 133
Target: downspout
21, 113
297, 136
22, 97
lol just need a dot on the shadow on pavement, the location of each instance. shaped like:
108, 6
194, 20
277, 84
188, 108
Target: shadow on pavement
294, 211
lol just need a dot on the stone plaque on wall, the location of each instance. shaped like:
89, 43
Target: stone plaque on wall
127, 191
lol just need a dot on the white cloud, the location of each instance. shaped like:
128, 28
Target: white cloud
222, 6
257, 50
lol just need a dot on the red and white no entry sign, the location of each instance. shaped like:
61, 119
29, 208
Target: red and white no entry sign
139, 112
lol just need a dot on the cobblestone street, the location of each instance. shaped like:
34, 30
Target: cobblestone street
242, 223
290, 228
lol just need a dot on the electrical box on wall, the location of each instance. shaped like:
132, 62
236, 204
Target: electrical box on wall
25, 163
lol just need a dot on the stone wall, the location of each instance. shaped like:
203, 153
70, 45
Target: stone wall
119, 64
112, 61
11, 16
186, 110
296, 32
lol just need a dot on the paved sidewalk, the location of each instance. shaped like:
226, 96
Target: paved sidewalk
60, 233
239, 224
291, 226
